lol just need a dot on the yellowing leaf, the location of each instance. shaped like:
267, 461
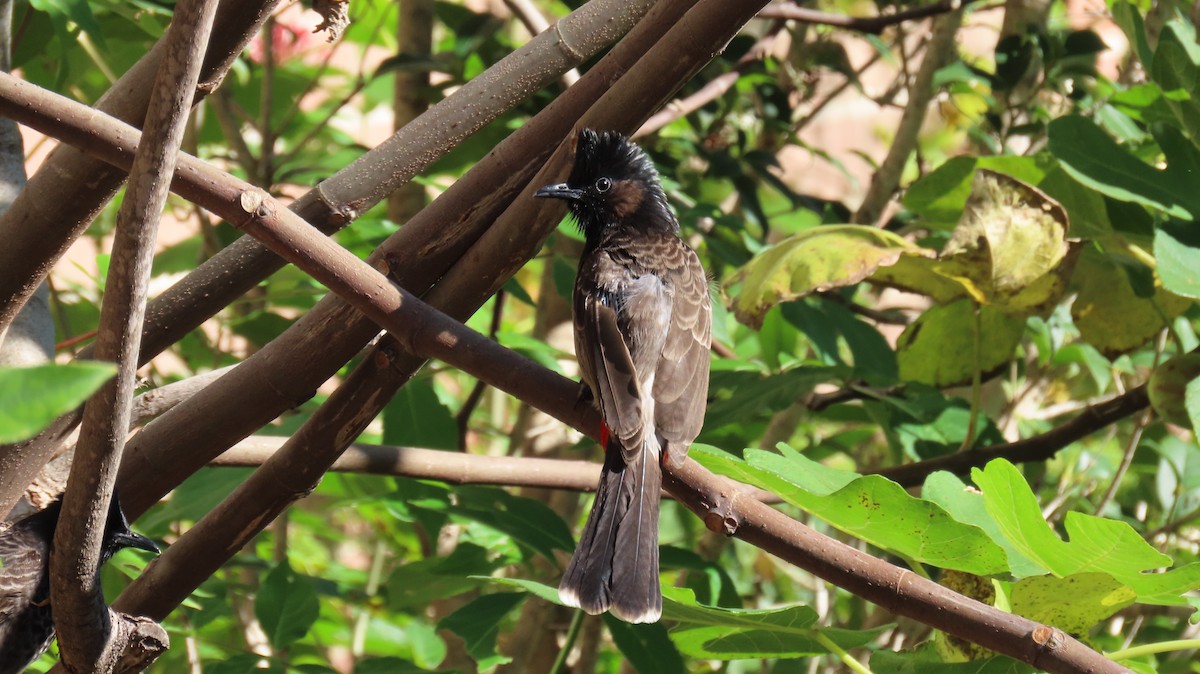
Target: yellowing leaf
1110, 315
1073, 604
939, 348
812, 261
920, 275
1010, 249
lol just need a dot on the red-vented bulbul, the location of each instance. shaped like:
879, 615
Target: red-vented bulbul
642, 333
26, 618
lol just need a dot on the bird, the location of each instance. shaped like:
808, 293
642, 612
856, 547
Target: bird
26, 617
642, 316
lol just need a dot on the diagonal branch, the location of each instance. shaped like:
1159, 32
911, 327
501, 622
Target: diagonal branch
41, 224
713, 89
90, 638
327, 337
319, 344
291, 366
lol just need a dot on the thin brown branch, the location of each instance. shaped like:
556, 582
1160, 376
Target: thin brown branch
41, 224
817, 402
463, 418
431, 464
1037, 448
714, 89
873, 25
443, 466
938, 51
81, 619
1131, 447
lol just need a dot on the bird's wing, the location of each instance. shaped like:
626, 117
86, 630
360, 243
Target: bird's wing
613, 370
681, 383
623, 320
22, 564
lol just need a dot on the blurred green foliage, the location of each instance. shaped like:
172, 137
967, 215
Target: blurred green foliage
373, 574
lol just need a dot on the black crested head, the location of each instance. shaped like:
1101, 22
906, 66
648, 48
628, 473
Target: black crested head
613, 183
118, 535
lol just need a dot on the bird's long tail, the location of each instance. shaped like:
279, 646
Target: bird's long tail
615, 566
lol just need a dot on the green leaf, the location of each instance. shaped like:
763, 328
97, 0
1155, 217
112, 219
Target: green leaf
539, 590
1191, 402
416, 418
286, 605
1175, 71
78, 11
1109, 313
925, 423
478, 623
32, 397
940, 196
647, 647
1177, 480
387, 666
819, 259
708, 579
939, 348
738, 396
869, 507
528, 521
829, 326
1094, 543
1093, 158
416, 584
728, 633
713, 632
1177, 249
926, 661
428, 649
1127, 17
1073, 604
966, 505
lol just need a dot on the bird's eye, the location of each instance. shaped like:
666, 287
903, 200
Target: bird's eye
603, 184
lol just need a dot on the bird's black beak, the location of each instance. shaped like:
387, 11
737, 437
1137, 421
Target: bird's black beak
559, 191
129, 539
